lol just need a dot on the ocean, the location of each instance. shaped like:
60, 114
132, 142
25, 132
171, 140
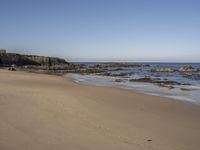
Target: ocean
191, 80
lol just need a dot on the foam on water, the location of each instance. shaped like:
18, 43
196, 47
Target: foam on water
147, 88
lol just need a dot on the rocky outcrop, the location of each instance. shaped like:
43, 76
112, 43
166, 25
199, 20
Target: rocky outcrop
144, 79
181, 69
162, 83
91, 71
158, 81
8, 59
188, 69
186, 89
46, 61
121, 74
68, 66
112, 65
163, 70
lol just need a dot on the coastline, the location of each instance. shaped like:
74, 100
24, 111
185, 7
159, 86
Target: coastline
46, 112
139, 87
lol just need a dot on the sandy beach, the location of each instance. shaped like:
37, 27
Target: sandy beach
47, 112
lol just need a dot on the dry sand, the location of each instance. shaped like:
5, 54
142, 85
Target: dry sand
45, 112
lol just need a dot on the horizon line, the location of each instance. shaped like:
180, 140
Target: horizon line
130, 62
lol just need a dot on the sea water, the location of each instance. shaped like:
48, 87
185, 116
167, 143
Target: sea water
192, 95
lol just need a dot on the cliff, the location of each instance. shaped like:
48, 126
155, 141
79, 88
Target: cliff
8, 59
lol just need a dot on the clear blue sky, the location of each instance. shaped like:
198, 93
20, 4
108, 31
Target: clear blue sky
103, 30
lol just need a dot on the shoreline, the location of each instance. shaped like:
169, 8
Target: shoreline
133, 89
75, 81
38, 111
71, 79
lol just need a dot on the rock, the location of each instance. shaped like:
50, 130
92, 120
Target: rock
163, 70
185, 89
46, 61
67, 67
168, 82
92, 71
149, 140
122, 74
186, 84
103, 74
117, 69
157, 79
162, 83
12, 69
112, 65
144, 79
118, 80
169, 86
187, 69
181, 69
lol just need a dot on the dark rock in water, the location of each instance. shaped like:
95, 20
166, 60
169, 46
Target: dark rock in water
66, 67
91, 71
112, 65
157, 79
117, 69
168, 82
186, 84
145, 79
188, 69
162, 83
185, 89
150, 80
118, 80
103, 74
122, 74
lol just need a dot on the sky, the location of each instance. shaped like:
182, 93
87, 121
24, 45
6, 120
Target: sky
103, 30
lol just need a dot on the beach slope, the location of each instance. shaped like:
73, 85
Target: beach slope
45, 112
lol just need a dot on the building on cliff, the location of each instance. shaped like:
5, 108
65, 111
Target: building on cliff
2, 51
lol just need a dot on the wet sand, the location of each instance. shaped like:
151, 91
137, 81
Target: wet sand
46, 112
